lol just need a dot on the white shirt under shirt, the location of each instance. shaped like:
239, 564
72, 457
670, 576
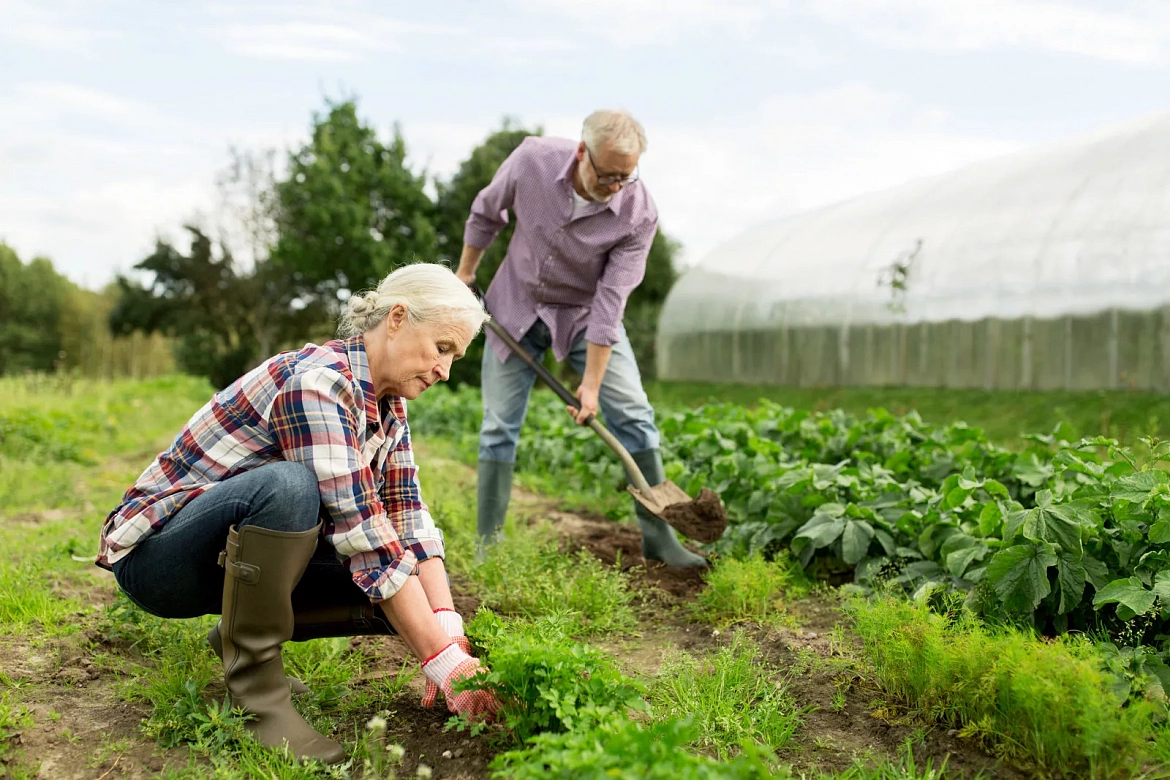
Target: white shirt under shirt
579, 205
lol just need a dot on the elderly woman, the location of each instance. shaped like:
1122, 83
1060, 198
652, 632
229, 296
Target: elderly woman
289, 505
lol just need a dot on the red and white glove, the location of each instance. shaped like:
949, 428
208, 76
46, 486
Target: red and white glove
451, 622
448, 667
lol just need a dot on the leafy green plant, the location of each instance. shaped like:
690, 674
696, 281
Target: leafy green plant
1065, 535
622, 749
546, 681
750, 589
731, 696
1047, 703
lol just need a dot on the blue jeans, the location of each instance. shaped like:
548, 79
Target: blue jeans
174, 572
506, 387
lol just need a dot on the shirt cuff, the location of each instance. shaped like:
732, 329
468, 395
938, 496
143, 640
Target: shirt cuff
603, 335
425, 543
383, 582
478, 237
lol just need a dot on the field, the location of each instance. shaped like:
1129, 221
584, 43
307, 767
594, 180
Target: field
895, 598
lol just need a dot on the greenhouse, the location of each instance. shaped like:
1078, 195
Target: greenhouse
1048, 269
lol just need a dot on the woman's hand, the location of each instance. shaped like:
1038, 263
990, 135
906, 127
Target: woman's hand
451, 622
454, 665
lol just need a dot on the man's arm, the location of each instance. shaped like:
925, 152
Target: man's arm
489, 214
623, 273
468, 262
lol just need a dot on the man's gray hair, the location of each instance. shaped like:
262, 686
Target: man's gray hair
431, 293
621, 131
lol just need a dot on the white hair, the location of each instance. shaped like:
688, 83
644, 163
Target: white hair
431, 293
622, 132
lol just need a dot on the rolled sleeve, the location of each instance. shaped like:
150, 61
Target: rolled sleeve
489, 210
623, 272
402, 497
314, 424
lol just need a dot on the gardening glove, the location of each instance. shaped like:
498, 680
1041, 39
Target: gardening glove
451, 622
452, 665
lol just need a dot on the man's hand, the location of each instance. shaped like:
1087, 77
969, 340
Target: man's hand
468, 262
466, 276
587, 395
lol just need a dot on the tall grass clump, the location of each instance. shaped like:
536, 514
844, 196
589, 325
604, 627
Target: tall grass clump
749, 589
730, 696
1050, 704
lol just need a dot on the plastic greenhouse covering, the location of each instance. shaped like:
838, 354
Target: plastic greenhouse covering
1047, 269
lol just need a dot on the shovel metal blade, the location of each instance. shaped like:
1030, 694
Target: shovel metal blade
703, 519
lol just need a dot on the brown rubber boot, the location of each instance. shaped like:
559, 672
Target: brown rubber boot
261, 569
213, 639
320, 623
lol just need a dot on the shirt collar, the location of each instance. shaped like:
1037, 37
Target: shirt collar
359, 366
567, 177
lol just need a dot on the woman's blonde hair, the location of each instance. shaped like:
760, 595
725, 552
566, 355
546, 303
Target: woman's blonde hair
431, 293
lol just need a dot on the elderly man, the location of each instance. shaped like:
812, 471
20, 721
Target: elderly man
584, 225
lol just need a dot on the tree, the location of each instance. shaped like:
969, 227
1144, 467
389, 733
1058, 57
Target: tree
32, 297
226, 319
349, 210
455, 197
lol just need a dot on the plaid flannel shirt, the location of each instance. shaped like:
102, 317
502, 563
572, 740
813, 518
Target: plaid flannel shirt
317, 407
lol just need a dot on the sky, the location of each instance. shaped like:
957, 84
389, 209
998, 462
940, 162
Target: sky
116, 116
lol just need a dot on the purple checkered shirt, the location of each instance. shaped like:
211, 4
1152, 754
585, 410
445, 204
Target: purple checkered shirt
315, 406
574, 274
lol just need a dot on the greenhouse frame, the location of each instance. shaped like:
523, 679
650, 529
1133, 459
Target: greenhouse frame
1043, 270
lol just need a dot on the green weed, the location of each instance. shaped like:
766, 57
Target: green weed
622, 749
531, 577
905, 768
750, 589
547, 681
1047, 703
731, 696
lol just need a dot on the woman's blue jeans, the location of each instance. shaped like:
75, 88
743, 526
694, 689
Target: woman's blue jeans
175, 572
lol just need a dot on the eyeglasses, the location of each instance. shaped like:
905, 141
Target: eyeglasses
605, 181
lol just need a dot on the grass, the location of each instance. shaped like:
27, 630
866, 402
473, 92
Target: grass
751, 589
531, 577
1049, 704
1002, 414
731, 696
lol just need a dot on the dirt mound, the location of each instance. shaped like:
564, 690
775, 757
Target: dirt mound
703, 519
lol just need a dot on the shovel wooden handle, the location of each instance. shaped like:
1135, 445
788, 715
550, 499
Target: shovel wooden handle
611, 441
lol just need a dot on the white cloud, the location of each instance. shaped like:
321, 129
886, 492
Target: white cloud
63, 28
1123, 31
313, 32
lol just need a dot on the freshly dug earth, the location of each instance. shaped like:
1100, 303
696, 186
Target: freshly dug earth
703, 519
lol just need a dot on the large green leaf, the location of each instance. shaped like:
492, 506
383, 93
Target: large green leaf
1049, 522
1019, 574
1140, 486
1070, 578
855, 539
1127, 592
959, 560
821, 534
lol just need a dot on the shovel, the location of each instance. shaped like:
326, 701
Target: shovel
703, 519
